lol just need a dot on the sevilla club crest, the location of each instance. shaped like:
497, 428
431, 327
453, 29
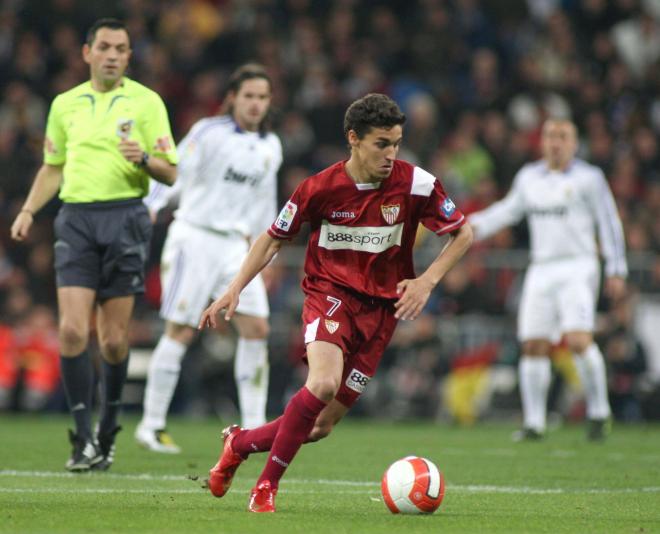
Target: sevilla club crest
390, 213
331, 326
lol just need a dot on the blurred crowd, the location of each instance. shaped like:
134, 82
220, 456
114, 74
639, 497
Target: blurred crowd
476, 80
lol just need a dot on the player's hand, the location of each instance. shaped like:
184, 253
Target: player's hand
21, 226
131, 151
615, 287
227, 302
153, 215
414, 294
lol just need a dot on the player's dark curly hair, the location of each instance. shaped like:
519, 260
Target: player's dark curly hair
113, 24
247, 71
374, 110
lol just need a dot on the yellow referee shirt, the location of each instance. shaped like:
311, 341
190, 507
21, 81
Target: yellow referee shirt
83, 133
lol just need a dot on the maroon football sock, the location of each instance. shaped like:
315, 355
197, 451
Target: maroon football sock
258, 439
296, 424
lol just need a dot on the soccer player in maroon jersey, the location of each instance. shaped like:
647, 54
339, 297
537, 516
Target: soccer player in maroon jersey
359, 280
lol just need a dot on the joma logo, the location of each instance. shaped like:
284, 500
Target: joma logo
343, 215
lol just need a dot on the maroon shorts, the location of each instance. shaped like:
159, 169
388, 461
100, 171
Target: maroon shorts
360, 325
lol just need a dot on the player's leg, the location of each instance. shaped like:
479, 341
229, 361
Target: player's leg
327, 419
188, 275
326, 364
162, 378
578, 304
591, 368
536, 324
251, 369
534, 374
75, 306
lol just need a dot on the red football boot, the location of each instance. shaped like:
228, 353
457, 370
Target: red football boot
222, 473
262, 498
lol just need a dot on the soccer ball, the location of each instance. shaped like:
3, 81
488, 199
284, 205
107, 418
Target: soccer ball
413, 485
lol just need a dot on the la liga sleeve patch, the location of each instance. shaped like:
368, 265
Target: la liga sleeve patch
286, 216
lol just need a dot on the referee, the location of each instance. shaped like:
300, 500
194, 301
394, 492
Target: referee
104, 139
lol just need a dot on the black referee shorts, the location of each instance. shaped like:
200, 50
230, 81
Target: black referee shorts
103, 246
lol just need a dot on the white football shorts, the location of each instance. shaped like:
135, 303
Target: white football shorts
559, 296
196, 267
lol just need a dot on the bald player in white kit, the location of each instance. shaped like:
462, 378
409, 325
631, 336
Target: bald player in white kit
228, 189
567, 203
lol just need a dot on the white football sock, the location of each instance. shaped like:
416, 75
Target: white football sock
164, 370
591, 368
534, 375
251, 373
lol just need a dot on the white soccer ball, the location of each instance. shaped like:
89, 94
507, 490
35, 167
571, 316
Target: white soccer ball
413, 485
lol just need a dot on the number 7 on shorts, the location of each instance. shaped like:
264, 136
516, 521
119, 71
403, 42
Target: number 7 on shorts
335, 304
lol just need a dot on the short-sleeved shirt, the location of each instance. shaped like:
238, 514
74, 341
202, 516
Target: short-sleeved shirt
362, 235
83, 133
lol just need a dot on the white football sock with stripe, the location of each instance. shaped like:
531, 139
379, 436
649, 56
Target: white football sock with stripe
164, 370
534, 375
591, 368
251, 373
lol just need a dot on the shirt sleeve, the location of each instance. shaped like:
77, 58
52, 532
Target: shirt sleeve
189, 155
157, 132
55, 140
610, 230
506, 212
440, 214
293, 215
264, 209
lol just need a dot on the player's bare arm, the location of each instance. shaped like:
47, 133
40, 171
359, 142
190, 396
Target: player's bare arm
159, 169
615, 287
415, 293
46, 185
261, 253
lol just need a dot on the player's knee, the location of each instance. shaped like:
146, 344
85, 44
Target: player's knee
182, 333
320, 431
73, 337
114, 347
578, 342
536, 347
256, 328
324, 388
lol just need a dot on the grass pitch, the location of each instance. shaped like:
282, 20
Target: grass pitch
564, 484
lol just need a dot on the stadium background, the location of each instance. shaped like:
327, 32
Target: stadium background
476, 79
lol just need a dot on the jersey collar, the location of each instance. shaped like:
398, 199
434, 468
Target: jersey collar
568, 169
240, 130
359, 186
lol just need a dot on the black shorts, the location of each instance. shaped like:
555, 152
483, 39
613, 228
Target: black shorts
103, 246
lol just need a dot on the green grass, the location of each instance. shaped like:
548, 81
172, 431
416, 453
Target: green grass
563, 484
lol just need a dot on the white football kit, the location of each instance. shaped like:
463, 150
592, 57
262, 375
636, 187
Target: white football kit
565, 211
227, 183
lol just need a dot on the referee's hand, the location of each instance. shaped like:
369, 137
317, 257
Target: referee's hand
131, 151
21, 226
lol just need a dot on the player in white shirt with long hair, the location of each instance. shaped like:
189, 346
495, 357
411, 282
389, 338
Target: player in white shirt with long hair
567, 203
227, 186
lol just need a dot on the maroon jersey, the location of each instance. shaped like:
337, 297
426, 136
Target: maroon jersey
362, 235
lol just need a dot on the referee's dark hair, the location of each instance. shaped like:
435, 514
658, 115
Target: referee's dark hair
113, 24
